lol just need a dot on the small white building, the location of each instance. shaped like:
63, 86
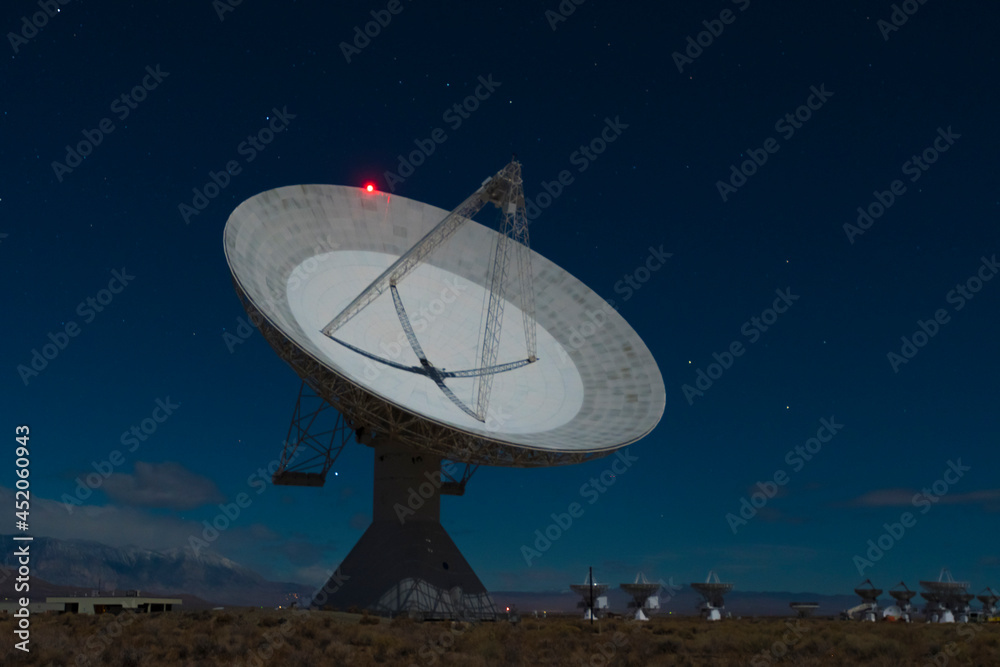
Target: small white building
115, 604
97, 604
11, 605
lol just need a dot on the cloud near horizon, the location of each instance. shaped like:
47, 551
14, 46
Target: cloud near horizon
247, 542
989, 499
163, 485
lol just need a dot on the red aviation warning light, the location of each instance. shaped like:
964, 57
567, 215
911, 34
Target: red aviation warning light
369, 187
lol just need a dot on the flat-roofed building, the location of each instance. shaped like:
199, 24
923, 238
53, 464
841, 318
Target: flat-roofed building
11, 605
114, 604
95, 604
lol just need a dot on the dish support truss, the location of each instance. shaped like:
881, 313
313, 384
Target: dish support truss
315, 439
504, 190
317, 436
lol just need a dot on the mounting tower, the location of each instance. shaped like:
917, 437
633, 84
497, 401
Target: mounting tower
712, 592
594, 601
868, 610
644, 596
947, 599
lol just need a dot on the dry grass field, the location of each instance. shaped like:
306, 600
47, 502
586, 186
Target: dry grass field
269, 637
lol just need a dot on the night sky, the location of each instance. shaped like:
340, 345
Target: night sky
746, 159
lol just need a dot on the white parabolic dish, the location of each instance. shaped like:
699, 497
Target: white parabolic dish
300, 254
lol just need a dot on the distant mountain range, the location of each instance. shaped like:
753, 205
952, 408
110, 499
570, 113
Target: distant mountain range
90, 566
74, 567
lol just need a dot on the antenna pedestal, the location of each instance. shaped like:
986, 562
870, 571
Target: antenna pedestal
406, 563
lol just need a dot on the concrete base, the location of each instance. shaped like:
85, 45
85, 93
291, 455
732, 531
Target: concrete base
406, 563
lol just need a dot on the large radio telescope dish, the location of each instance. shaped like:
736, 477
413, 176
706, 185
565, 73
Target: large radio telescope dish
300, 254
713, 593
391, 312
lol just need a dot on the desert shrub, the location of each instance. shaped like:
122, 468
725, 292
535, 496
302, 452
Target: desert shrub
489, 649
384, 646
185, 638
669, 645
513, 653
269, 621
203, 646
562, 630
870, 646
402, 621
361, 638
129, 657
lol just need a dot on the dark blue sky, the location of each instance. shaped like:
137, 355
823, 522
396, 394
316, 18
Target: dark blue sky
876, 103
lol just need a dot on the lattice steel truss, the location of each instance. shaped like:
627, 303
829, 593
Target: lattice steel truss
316, 437
512, 240
319, 432
423, 601
450, 486
506, 192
